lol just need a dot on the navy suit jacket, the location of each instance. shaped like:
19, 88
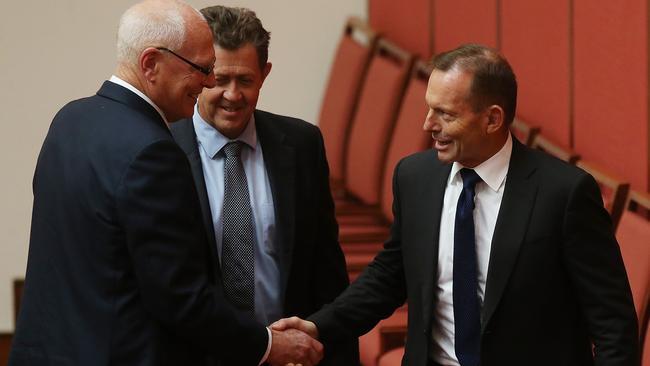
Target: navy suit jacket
307, 233
555, 283
119, 270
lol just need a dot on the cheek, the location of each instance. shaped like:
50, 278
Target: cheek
453, 130
251, 95
211, 96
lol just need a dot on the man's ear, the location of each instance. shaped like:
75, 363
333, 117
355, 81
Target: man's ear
149, 59
266, 71
495, 118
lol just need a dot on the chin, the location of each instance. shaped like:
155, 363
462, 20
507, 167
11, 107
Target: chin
445, 158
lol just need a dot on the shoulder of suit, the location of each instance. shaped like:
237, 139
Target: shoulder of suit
286, 124
181, 127
553, 167
427, 157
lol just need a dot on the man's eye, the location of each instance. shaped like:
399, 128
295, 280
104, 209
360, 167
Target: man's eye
444, 115
447, 116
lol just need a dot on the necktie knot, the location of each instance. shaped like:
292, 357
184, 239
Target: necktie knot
470, 178
232, 149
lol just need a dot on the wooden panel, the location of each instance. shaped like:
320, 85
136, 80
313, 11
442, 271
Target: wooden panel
406, 25
464, 21
18, 295
5, 346
536, 40
611, 81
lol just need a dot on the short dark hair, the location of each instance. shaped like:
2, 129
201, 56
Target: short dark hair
233, 28
493, 80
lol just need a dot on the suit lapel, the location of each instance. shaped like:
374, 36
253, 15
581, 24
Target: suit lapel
510, 229
433, 194
280, 161
185, 137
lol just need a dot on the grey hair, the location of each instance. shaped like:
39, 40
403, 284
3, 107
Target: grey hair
140, 27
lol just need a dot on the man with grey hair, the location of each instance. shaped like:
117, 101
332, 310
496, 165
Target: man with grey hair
118, 270
294, 264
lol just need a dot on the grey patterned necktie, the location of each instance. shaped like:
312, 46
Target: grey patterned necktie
237, 260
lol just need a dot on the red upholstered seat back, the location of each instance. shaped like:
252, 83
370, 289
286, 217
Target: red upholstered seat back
633, 236
373, 122
408, 136
342, 92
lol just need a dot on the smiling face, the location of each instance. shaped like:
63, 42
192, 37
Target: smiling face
230, 104
460, 133
170, 82
181, 82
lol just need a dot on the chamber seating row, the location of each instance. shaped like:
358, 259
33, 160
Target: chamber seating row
371, 117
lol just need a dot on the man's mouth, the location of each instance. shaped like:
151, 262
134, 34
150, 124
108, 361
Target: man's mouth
231, 109
441, 143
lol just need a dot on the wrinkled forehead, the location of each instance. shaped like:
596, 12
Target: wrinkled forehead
453, 85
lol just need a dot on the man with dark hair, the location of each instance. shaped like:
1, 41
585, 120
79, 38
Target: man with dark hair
506, 255
117, 271
263, 184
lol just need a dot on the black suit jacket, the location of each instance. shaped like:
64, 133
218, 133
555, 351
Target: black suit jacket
313, 264
118, 270
555, 282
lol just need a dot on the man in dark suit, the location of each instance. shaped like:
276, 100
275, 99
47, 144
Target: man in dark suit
505, 255
298, 265
117, 271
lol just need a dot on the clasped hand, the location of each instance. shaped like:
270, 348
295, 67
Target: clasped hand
295, 343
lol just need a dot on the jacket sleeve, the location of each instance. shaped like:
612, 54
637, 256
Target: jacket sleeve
596, 269
158, 208
376, 293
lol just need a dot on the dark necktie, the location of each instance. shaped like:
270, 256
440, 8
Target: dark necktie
467, 312
237, 260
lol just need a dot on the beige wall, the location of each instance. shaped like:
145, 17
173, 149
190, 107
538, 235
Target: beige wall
52, 52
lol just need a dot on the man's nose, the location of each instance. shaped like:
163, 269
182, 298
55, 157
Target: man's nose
209, 81
232, 92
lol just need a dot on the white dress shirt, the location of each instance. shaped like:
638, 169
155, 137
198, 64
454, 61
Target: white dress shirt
487, 200
269, 291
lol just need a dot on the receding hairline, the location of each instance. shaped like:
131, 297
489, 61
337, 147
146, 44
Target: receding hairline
156, 23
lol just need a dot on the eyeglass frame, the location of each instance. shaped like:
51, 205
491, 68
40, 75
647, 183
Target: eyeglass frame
202, 69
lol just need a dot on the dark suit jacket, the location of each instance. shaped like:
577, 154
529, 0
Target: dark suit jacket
555, 281
118, 270
313, 263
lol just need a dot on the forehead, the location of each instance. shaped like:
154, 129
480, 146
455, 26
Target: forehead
241, 60
198, 41
447, 87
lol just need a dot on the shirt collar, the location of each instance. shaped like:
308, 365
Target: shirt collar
493, 171
118, 81
213, 141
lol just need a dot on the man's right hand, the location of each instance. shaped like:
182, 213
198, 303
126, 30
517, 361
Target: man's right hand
296, 323
292, 346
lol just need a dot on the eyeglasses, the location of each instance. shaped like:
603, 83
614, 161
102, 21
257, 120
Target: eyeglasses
202, 69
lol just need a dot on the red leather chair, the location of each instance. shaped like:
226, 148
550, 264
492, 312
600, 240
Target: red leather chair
346, 76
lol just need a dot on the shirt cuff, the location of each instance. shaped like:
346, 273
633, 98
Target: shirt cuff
268, 347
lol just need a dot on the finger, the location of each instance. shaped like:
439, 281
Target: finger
280, 325
286, 323
315, 353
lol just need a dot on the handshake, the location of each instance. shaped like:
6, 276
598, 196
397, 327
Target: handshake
294, 343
